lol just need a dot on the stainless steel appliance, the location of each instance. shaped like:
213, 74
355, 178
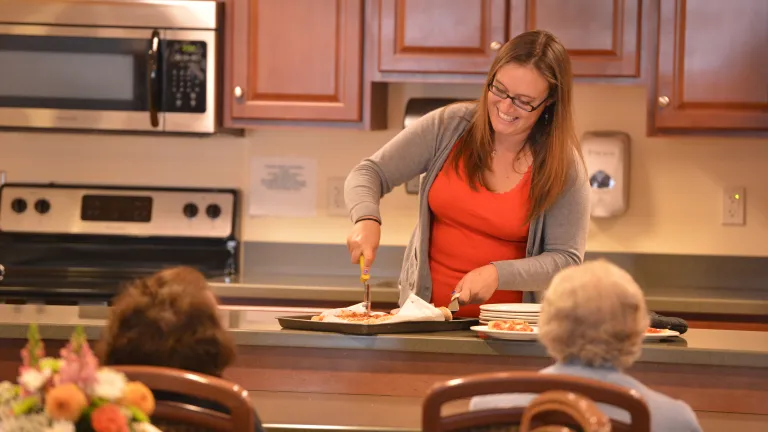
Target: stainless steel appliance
130, 65
67, 244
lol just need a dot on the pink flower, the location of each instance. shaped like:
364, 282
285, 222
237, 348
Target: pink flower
79, 364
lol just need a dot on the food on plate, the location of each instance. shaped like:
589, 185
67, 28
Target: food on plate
510, 325
374, 317
446, 313
358, 317
651, 330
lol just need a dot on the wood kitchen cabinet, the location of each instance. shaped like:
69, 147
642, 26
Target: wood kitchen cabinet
712, 71
297, 60
456, 36
461, 37
603, 37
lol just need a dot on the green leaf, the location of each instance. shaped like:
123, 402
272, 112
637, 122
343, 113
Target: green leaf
137, 414
26, 405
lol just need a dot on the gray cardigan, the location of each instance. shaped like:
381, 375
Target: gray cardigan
555, 240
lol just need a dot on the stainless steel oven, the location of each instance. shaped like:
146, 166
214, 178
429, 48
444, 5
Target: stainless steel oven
133, 65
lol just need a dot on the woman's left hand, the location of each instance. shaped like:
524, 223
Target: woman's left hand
477, 286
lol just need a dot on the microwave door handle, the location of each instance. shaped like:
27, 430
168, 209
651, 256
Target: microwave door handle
153, 78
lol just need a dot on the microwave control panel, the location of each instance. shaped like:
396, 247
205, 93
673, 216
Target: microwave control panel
185, 76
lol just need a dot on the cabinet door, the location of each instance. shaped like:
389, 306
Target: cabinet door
440, 36
602, 36
296, 60
712, 70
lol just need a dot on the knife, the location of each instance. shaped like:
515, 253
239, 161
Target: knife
366, 287
453, 306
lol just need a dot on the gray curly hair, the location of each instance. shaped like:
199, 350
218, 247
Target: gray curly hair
594, 313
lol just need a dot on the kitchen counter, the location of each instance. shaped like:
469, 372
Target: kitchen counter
346, 288
314, 378
258, 327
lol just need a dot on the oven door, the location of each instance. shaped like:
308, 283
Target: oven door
77, 78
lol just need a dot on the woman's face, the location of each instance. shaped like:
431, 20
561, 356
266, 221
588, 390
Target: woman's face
529, 89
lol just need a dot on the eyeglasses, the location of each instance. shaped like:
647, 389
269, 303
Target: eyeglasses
523, 105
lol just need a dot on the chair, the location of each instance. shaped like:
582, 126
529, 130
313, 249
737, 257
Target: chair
525, 382
174, 416
578, 409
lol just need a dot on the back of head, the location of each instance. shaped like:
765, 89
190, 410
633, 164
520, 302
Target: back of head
594, 314
169, 319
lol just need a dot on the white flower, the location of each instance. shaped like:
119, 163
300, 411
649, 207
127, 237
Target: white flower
61, 426
32, 379
145, 427
110, 384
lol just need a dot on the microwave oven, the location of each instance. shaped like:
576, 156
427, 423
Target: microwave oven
110, 65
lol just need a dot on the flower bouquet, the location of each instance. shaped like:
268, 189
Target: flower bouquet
72, 393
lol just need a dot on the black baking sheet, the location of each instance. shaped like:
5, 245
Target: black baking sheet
304, 322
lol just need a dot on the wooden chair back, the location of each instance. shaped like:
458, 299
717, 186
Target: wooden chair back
525, 382
175, 416
579, 410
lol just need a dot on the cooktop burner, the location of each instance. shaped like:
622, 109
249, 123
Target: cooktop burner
83, 243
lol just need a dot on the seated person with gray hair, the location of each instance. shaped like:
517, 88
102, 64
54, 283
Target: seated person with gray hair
593, 322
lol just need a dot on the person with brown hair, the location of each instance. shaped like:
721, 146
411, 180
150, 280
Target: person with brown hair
504, 203
168, 319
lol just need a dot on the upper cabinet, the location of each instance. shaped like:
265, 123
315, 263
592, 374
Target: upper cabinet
461, 37
439, 36
297, 60
712, 71
602, 36
328, 62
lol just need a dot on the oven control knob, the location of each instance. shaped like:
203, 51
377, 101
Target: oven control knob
213, 211
190, 210
19, 205
42, 206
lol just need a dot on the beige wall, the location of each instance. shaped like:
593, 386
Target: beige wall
676, 189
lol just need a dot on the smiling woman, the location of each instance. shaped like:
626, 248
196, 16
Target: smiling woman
504, 203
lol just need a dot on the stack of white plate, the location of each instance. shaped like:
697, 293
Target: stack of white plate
528, 312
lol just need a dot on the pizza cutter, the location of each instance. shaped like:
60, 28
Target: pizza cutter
366, 287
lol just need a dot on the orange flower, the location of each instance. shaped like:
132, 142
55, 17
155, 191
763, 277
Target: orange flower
109, 418
140, 396
65, 402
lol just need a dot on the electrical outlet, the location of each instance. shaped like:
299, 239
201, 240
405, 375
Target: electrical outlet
734, 205
335, 204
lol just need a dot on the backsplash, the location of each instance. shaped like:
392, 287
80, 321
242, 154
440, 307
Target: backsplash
675, 192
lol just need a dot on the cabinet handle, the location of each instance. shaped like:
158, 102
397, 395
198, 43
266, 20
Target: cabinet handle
663, 101
238, 92
495, 45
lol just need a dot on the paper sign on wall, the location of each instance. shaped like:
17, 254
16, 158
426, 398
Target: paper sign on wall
283, 187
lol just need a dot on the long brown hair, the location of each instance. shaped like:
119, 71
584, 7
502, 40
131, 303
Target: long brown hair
553, 138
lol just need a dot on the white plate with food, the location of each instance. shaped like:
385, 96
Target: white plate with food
509, 330
512, 307
659, 334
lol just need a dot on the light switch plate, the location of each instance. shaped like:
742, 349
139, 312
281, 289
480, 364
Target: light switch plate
412, 186
734, 205
335, 200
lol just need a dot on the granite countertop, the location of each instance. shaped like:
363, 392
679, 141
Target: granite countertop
346, 288
258, 327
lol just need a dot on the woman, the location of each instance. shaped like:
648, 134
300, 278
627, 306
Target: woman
504, 204
593, 321
169, 319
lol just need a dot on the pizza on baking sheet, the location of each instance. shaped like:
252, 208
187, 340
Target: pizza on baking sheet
510, 325
374, 318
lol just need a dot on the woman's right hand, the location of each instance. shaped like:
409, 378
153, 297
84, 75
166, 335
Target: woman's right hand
364, 240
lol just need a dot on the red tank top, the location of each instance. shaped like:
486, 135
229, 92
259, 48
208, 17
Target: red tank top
471, 229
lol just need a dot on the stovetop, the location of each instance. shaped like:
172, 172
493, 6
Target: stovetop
74, 243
